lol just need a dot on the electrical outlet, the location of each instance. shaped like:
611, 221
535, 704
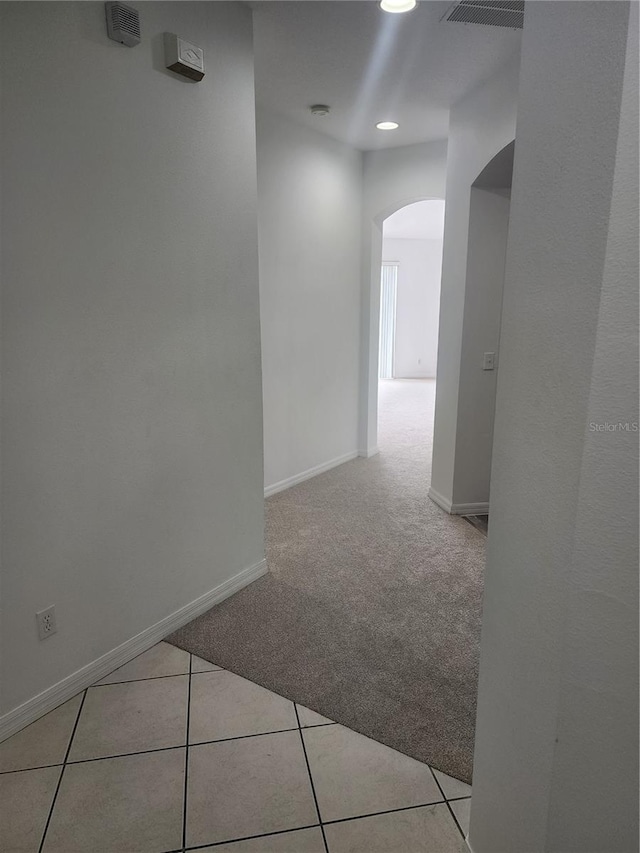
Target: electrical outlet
46, 620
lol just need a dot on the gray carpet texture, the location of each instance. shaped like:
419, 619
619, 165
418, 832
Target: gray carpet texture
370, 613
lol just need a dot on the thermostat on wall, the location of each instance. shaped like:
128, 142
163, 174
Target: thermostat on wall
182, 57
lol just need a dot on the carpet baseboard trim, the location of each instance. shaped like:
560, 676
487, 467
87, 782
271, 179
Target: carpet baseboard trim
367, 454
15, 720
308, 474
470, 509
458, 509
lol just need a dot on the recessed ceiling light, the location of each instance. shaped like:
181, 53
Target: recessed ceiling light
397, 6
387, 125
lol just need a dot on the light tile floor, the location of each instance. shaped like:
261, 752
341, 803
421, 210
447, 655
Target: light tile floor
170, 753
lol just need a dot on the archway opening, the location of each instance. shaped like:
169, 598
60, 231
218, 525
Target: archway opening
412, 239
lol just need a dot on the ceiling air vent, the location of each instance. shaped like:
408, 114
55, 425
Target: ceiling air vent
492, 13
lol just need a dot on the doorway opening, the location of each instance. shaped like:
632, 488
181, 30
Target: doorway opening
412, 239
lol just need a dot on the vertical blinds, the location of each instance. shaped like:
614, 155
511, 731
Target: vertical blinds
388, 291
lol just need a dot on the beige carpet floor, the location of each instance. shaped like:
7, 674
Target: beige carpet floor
371, 611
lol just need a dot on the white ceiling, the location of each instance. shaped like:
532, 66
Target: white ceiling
423, 220
370, 66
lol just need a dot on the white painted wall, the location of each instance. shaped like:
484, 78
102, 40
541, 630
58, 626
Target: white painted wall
486, 250
556, 761
393, 178
131, 399
310, 196
417, 306
480, 126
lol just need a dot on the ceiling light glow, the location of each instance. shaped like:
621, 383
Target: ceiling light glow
387, 125
398, 6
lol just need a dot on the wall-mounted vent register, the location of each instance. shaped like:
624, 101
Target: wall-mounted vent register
123, 24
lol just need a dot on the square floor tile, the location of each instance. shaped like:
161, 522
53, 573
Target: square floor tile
223, 705
132, 804
160, 660
43, 742
462, 811
311, 718
453, 788
298, 841
245, 787
354, 775
200, 665
425, 830
25, 801
132, 717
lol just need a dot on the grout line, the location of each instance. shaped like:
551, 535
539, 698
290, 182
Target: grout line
385, 811
186, 759
458, 799
220, 669
240, 737
315, 825
166, 748
126, 754
134, 680
251, 837
451, 812
163, 749
453, 815
64, 764
313, 789
25, 769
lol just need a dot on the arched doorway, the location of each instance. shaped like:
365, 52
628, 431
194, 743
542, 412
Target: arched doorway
412, 240
463, 440
371, 331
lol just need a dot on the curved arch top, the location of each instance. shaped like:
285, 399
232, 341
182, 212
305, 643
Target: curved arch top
390, 209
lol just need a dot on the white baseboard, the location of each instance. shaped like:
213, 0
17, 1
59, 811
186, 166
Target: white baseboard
437, 498
458, 509
470, 509
367, 454
308, 474
42, 703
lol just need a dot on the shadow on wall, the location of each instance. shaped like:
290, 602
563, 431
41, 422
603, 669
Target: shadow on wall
487, 248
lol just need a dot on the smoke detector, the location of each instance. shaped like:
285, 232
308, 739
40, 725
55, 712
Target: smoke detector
123, 23
491, 13
319, 110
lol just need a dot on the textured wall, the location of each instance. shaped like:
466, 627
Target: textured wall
480, 126
131, 399
486, 250
557, 734
309, 197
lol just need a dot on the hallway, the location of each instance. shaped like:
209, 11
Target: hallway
371, 611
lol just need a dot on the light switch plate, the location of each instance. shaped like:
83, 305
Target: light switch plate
489, 360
